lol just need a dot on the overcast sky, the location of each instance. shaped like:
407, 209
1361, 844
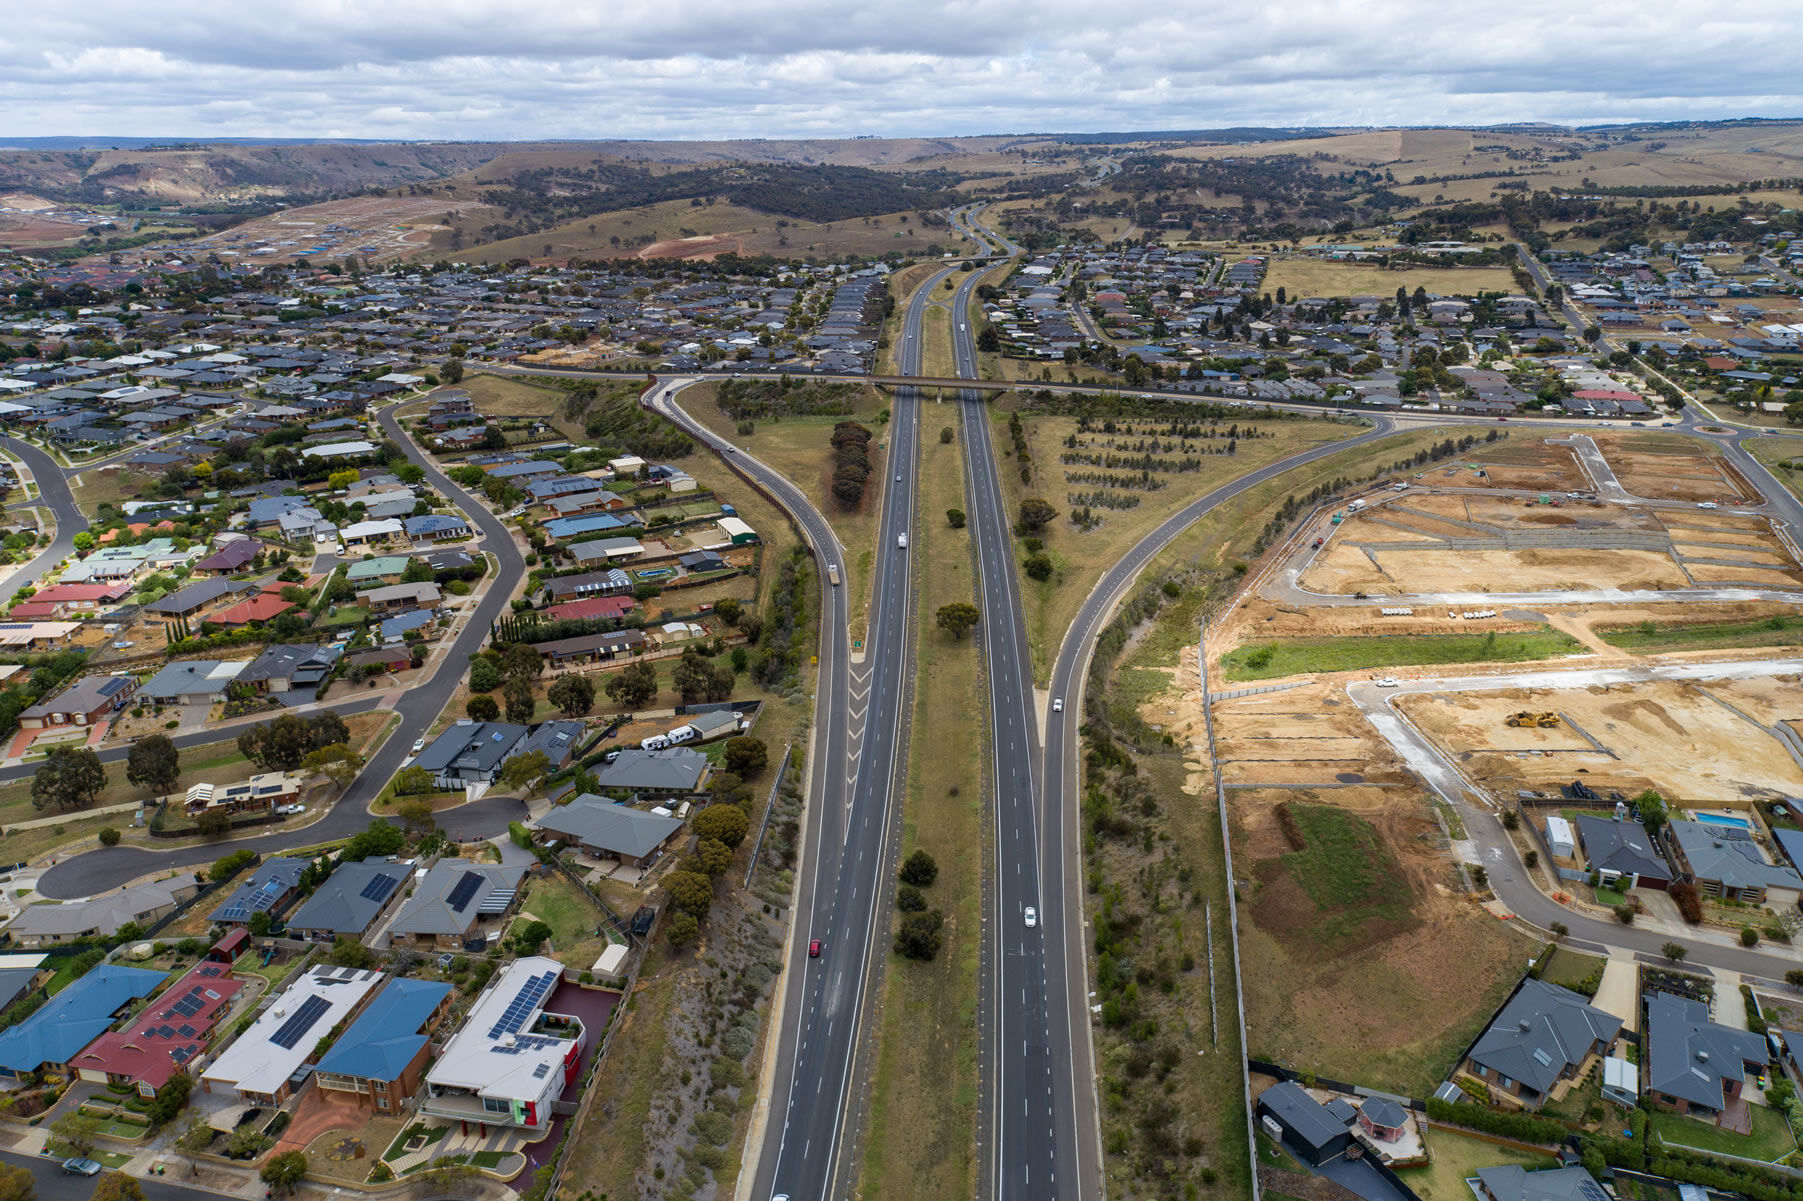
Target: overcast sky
522, 69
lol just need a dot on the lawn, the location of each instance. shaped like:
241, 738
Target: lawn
923, 1105
1568, 968
1305, 656
1079, 556
1305, 277
1771, 1139
1456, 1158
573, 919
1650, 638
498, 396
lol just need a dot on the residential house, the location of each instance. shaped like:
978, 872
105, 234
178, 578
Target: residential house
1696, 1066
89, 700
191, 682
612, 582
1512, 1182
267, 888
1383, 1119
350, 903
604, 828
68, 600
370, 533
265, 606
189, 600
263, 791
470, 752
388, 658
230, 558
51, 1038
290, 668
513, 1058
594, 647
391, 598
1724, 861
339, 450
385, 569
1308, 1130
614, 607
1542, 1036
165, 1036
48, 925
263, 1065
700, 562
556, 740
450, 901
381, 1057
673, 770
1623, 853
436, 527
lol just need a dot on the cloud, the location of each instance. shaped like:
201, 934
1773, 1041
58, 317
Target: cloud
529, 69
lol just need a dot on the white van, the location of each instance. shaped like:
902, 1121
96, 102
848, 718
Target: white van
901, 540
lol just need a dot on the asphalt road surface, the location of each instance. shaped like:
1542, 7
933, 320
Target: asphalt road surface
108, 867
54, 494
54, 1184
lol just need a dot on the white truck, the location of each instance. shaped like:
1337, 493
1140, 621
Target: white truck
901, 540
1356, 505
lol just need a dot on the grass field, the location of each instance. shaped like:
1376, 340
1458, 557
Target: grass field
923, 1107
1456, 1158
1650, 638
1080, 556
1774, 453
499, 396
1306, 277
573, 919
1771, 1138
112, 486
1303, 656
1346, 871
1568, 968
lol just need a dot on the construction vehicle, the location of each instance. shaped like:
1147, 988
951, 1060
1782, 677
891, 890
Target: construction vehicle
1338, 518
1319, 542
1532, 721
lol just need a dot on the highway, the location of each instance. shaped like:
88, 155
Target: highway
853, 817
108, 867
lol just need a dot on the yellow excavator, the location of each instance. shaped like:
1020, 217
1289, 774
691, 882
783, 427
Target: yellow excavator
1532, 721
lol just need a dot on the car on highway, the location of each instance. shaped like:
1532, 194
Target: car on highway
1032, 916
901, 540
419, 744
1057, 704
815, 946
1387, 682
81, 1167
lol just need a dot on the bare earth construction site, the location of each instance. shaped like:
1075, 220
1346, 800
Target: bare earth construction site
1600, 612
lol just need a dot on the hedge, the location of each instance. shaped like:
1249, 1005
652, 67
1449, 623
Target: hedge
1520, 1126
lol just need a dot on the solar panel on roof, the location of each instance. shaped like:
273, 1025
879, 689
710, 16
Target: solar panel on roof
296, 1027
212, 969
187, 1031
379, 887
541, 1070
465, 889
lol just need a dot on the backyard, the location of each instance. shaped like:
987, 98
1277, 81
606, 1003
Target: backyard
1457, 1158
1770, 1141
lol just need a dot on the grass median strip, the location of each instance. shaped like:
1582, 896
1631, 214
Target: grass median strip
1649, 638
1304, 656
923, 1107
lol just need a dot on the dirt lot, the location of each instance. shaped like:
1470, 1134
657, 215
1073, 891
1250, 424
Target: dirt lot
1302, 737
1526, 465
1668, 735
1671, 468
1305, 277
392, 225
1345, 569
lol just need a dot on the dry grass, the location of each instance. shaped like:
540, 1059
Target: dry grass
923, 1114
501, 396
1305, 277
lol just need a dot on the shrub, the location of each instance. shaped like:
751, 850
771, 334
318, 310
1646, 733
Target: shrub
1624, 914
109, 837
1521, 1126
1749, 937
1690, 906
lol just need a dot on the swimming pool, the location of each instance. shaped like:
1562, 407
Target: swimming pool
1716, 819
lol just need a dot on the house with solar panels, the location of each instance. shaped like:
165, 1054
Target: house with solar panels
380, 1060
350, 903
52, 1036
513, 1058
268, 888
269, 1061
166, 1035
455, 905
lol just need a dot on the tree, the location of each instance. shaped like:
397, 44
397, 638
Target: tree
745, 755
417, 815
713, 856
574, 695
411, 474
692, 892
528, 937
945, 435
910, 899
337, 763
117, 1186
520, 660
77, 1131
919, 869
413, 781
69, 778
282, 744
955, 518
729, 609
958, 618
376, 841
919, 937
633, 686
452, 371
1559, 930
1037, 567
285, 1170
682, 929
170, 1099
1652, 811
84, 541
521, 703
348, 952
1674, 951
521, 770
342, 479
727, 823
1035, 514
213, 823
154, 763
482, 708
485, 674
109, 837
259, 924
17, 1184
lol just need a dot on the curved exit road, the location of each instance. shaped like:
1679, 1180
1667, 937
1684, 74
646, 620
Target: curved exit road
108, 867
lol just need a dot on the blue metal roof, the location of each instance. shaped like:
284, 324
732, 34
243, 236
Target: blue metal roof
384, 1039
74, 1017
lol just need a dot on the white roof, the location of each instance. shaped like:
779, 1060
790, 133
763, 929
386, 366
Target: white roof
334, 449
1558, 829
494, 1054
1619, 1073
258, 1063
369, 529
611, 959
734, 526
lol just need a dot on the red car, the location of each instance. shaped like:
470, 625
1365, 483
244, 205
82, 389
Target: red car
814, 949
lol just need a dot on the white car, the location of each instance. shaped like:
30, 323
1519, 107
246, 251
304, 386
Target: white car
419, 744
1387, 682
1032, 917
1057, 704
1705, 504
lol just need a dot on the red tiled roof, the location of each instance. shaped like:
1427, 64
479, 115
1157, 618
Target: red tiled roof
143, 1051
31, 611
593, 606
257, 608
65, 593
1605, 394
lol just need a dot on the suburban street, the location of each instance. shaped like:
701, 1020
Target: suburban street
54, 495
109, 867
